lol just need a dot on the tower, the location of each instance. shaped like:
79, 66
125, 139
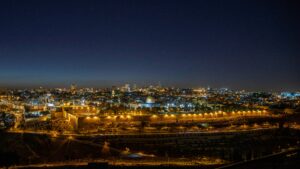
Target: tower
73, 89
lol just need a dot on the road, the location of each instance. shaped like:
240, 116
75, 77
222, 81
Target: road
224, 130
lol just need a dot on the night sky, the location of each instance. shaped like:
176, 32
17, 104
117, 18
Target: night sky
252, 45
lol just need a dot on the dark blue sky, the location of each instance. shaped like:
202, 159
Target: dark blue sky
251, 45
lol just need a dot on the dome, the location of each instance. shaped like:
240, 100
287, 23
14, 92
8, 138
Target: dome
150, 100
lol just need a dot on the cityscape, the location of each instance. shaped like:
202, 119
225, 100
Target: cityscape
163, 84
151, 125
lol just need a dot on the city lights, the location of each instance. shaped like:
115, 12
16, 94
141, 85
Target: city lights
149, 84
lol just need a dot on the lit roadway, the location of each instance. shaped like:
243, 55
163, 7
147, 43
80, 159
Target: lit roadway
124, 162
221, 130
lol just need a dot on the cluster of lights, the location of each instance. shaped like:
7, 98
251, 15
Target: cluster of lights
215, 114
121, 117
169, 116
92, 118
187, 115
82, 108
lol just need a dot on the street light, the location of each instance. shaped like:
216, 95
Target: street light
154, 116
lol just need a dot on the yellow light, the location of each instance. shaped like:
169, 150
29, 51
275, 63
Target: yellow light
108, 117
88, 117
128, 116
172, 115
95, 117
183, 115
54, 134
154, 116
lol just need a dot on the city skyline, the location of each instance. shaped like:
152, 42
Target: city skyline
249, 45
162, 84
136, 86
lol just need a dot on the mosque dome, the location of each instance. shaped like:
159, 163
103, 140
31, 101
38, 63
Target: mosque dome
150, 100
